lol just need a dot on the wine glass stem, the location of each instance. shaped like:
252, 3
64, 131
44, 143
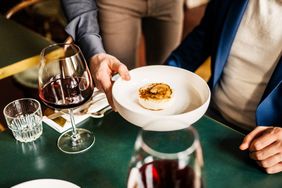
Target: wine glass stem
75, 137
74, 131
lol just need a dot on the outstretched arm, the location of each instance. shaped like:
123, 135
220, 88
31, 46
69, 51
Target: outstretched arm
84, 28
83, 25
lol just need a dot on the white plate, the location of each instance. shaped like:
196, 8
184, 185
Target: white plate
191, 96
46, 183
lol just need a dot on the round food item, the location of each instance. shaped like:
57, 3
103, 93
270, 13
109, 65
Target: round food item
155, 96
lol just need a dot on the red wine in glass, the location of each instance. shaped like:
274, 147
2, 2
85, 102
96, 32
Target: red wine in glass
167, 174
63, 93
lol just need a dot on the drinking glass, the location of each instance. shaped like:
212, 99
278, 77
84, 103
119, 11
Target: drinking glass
24, 119
65, 83
166, 159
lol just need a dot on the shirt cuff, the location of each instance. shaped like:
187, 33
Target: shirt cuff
90, 45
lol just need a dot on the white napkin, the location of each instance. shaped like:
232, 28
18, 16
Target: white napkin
98, 102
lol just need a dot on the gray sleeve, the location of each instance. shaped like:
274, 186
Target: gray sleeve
83, 25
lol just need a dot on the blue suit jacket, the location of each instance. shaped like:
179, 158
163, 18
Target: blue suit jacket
214, 37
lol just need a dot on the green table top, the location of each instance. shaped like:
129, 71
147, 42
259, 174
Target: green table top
105, 164
18, 42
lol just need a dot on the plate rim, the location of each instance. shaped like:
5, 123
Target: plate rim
29, 182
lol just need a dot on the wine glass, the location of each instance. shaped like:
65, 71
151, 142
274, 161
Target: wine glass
166, 159
65, 83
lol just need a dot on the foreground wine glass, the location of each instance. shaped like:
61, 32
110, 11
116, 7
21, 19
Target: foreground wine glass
65, 83
167, 159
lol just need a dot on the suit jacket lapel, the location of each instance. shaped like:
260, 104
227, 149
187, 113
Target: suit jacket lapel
227, 36
275, 79
269, 111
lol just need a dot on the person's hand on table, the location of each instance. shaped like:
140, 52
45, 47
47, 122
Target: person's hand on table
265, 146
103, 66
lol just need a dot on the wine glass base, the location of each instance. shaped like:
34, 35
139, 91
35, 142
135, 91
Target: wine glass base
83, 141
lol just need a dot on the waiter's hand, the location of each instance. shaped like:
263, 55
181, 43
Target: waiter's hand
265, 146
103, 66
